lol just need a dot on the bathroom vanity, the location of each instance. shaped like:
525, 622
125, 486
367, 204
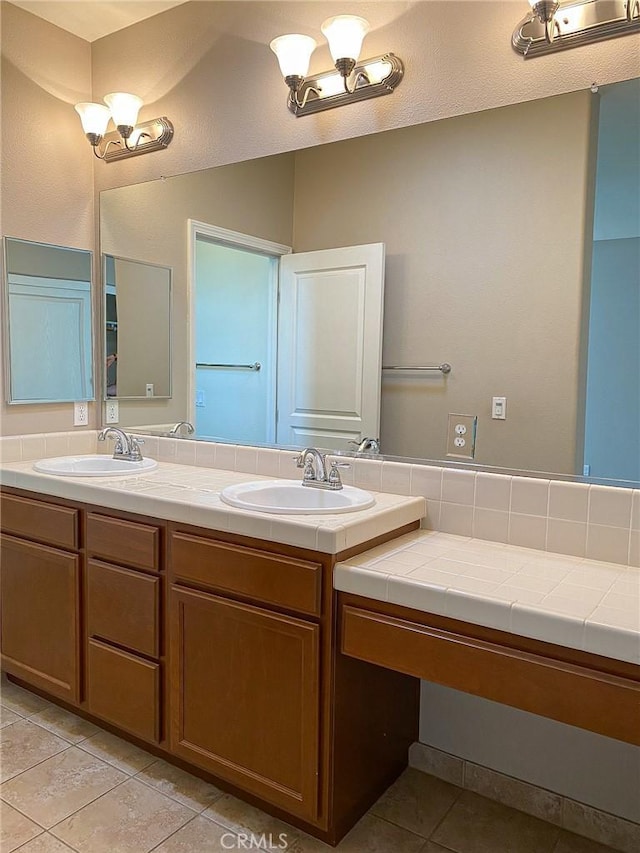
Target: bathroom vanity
213, 649
271, 654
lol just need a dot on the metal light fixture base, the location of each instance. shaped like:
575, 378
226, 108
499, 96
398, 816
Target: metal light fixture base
148, 136
363, 88
576, 24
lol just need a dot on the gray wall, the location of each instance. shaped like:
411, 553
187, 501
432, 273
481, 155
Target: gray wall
485, 269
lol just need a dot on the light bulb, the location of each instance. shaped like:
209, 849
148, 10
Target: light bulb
294, 54
345, 34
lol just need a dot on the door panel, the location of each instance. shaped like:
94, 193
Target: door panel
40, 616
245, 697
330, 346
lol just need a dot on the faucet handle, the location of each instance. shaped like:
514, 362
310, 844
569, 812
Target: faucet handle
334, 474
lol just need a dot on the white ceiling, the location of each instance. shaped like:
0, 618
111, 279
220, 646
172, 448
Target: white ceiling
93, 19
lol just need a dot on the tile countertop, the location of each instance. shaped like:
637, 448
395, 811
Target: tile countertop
582, 604
189, 494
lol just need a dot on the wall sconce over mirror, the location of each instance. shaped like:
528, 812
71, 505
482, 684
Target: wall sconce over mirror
129, 138
350, 81
553, 26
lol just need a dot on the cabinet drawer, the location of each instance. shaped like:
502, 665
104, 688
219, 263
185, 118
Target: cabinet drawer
125, 690
259, 575
55, 525
542, 685
127, 542
123, 606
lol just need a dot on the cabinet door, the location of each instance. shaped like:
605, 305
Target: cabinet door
245, 697
40, 616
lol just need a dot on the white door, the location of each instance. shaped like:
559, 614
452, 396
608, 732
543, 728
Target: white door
330, 346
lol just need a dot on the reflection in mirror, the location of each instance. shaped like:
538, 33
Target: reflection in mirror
48, 340
489, 258
137, 311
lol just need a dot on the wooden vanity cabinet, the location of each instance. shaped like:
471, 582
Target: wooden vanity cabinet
245, 670
40, 577
218, 651
123, 591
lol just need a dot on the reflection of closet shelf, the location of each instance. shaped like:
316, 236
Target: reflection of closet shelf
112, 325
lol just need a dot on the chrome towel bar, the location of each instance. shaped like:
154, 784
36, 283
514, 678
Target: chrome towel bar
255, 366
445, 367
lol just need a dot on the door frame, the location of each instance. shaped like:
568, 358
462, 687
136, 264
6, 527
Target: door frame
236, 240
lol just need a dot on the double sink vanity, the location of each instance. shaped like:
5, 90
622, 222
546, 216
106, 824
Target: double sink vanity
252, 631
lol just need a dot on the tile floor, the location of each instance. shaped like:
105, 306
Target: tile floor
68, 786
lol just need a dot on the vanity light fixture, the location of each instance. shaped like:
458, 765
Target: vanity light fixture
553, 25
129, 138
351, 81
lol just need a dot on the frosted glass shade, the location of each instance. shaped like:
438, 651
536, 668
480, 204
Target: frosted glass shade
94, 118
124, 108
345, 34
294, 54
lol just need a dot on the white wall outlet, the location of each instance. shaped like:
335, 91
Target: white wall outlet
149, 389
111, 412
499, 408
81, 414
461, 436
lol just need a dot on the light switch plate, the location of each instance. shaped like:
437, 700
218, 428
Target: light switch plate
461, 436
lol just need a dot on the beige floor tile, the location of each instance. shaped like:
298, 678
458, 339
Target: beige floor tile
198, 836
23, 745
122, 754
416, 802
7, 717
45, 843
15, 828
477, 825
181, 786
240, 817
20, 701
570, 843
60, 786
132, 818
370, 835
64, 724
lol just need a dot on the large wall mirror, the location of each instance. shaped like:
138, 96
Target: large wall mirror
518, 268
137, 329
48, 311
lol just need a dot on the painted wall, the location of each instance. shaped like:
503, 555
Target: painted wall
590, 768
207, 66
46, 184
485, 270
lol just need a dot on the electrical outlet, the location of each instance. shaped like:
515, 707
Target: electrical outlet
149, 389
80, 414
499, 408
111, 412
461, 436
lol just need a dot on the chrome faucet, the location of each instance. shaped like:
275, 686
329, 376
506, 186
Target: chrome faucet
177, 427
315, 469
367, 445
127, 446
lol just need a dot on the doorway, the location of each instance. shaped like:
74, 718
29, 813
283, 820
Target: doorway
234, 335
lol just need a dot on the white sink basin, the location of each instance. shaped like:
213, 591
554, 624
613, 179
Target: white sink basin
292, 498
92, 465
